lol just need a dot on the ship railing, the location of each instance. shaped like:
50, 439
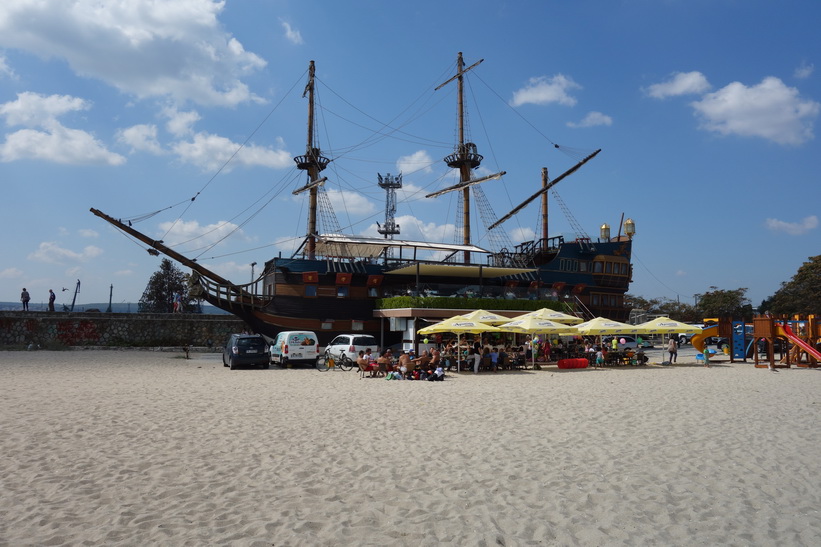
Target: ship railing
228, 297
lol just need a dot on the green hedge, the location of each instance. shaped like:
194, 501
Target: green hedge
460, 303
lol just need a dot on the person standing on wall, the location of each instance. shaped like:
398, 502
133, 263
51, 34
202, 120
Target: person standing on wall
51, 298
24, 298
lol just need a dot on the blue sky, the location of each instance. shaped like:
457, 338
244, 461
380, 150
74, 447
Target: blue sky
706, 112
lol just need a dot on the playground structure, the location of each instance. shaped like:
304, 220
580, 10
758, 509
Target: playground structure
799, 339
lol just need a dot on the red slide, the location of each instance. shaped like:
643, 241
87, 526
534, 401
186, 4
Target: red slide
787, 332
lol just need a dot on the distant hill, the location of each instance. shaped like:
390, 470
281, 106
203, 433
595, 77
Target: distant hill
122, 307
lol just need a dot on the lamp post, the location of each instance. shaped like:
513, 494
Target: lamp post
629, 228
252, 271
604, 232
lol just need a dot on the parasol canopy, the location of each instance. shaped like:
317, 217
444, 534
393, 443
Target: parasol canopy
457, 324
601, 325
487, 317
534, 325
553, 315
661, 325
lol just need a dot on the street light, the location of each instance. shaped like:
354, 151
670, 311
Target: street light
252, 271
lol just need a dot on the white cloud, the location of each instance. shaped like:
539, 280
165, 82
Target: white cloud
36, 110
5, 69
210, 152
793, 228
183, 232
522, 234
151, 48
59, 145
50, 252
804, 70
51, 141
124, 273
544, 90
681, 83
11, 273
142, 137
352, 203
86, 232
593, 119
292, 35
414, 163
769, 110
180, 123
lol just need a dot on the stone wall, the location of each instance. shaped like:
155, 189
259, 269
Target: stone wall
54, 330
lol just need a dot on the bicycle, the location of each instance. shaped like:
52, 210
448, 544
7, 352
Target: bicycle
328, 361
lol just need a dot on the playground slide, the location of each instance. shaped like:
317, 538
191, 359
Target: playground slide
698, 339
786, 332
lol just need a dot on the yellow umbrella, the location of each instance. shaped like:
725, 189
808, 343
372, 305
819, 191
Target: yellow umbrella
487, 317
534, 325
457, 325
553, 315
661, 325
601, 325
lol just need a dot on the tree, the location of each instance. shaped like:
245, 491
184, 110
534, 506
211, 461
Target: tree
664, 306
158, 296
725, 303
801, 295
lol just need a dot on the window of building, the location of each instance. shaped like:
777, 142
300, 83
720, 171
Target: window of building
342, 291
310, 291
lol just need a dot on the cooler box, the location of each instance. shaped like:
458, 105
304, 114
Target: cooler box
573, 363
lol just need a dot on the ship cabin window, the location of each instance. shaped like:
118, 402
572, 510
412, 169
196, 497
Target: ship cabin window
357, 326
594, 299
342, 291
327, 325
373, 292
269, 289
614, 266
310, 291
584, 266
569, 265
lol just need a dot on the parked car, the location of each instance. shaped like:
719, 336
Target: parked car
295, 347
629, 342
351, 345
245, 350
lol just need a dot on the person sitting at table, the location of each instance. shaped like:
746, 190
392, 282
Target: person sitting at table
494, 359
384, 363
503, 359
641, 358
422, 362
405, 359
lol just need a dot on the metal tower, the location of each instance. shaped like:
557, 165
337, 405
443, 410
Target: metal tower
389, 184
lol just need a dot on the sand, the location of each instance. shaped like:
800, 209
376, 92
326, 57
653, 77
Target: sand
139, 448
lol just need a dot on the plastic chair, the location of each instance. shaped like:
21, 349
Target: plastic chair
700, 358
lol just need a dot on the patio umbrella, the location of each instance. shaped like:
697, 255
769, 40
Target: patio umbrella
666, 325
457, 325
487, 317
534, 325
553, 315
601, 325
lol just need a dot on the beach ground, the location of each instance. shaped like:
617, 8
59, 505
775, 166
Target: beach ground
138, 447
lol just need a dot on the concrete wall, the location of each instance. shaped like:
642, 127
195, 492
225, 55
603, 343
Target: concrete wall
53, 330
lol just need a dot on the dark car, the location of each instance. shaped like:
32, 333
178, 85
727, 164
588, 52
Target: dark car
245, 350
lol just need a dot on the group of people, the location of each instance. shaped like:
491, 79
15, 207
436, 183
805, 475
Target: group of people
406, 367
25, 298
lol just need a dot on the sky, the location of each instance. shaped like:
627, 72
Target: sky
184, 117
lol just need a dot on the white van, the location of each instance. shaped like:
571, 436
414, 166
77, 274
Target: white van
296, 347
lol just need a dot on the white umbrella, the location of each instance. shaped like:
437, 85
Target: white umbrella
457, 325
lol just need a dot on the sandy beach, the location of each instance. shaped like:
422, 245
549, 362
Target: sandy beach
139, 448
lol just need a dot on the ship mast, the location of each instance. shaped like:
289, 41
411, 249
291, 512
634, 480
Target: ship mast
313, 162
465, 158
